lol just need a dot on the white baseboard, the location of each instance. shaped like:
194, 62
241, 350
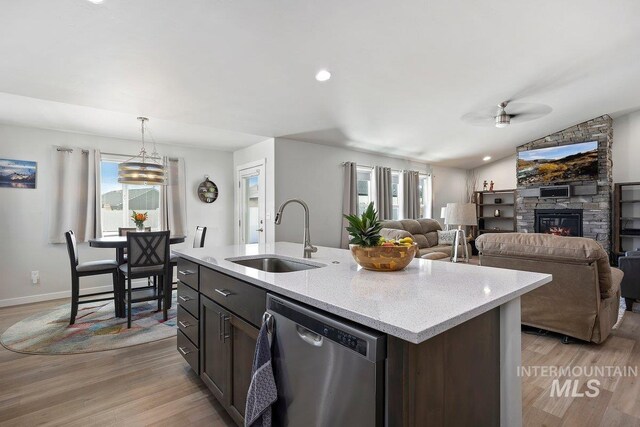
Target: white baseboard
55, 295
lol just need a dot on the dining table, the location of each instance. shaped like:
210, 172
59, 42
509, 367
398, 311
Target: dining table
119, 243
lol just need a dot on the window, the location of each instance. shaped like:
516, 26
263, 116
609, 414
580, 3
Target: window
118, 201
395, 195
425, 189
364, 188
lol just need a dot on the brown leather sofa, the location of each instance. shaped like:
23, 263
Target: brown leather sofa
423, 231
583, 298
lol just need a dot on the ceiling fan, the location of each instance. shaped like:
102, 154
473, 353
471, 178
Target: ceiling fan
503, 116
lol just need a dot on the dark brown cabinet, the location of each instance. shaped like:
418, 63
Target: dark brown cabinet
227, 341
215, 352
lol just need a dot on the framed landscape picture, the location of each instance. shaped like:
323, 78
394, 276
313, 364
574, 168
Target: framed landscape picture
18, 173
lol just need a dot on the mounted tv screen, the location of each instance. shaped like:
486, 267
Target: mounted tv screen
566, 163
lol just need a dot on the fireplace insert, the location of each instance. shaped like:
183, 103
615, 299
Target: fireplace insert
560, 222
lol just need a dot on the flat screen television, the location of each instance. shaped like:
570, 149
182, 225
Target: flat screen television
563, 164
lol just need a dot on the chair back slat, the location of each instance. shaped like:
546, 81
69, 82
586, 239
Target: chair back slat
198, 240
148, 249
72, 248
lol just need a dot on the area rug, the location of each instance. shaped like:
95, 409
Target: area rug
622, 310
96, 329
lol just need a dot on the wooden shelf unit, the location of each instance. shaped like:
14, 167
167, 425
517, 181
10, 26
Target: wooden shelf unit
485, 206
625, 197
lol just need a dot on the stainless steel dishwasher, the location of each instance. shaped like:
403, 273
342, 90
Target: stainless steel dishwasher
329, 372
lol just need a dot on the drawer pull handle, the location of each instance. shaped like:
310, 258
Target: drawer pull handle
225, 293
184, 324
186, 272
184, 299
183, 351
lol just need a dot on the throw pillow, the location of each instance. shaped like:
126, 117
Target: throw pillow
446, 237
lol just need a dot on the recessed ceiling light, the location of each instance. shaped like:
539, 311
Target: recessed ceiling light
96, 1
486, 158
323, 75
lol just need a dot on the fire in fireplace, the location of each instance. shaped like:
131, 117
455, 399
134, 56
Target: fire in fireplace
561, 222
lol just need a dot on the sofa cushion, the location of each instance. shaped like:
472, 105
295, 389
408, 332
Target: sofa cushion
446, 237
616, 279
551, 248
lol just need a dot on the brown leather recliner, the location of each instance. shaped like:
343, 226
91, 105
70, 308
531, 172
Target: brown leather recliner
581, 301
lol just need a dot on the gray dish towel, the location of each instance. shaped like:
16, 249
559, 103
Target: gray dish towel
262, 391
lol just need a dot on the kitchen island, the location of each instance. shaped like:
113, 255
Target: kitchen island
452, 330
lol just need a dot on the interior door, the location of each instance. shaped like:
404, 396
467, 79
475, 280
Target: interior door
251, 203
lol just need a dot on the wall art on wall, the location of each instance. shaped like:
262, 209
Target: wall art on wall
18, 173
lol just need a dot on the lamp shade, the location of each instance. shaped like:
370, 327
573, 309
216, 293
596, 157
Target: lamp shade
461, 214
443, 212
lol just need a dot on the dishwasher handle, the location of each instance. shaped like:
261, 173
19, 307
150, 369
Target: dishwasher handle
309, 337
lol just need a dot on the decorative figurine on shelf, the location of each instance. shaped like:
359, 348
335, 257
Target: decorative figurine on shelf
496, 213
484, 185
491, 186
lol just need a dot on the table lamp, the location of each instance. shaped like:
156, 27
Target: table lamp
461, 215
443, 214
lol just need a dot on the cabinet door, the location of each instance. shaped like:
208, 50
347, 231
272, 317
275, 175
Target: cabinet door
243, 337
215, 349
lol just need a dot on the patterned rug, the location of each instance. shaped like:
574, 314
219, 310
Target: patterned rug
623, 309
96, 329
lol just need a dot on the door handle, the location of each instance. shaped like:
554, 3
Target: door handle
186, 272
225, 293
225, 335
184, 299
182, 350
184, 324
260, 229
309, 337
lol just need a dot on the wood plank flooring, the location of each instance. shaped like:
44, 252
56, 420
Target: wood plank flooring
150, 384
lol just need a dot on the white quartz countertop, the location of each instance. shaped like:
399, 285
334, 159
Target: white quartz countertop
414, 304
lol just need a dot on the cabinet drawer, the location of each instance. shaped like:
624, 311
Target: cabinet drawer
243, 299
188, 299
189, 352
188, 273
188, 325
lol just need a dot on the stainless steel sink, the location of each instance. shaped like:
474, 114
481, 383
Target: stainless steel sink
274, 264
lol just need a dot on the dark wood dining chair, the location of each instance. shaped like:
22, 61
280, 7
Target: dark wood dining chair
148, 256
122, 231
91, 268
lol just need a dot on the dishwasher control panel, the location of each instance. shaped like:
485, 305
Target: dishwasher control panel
345, 338
326, 330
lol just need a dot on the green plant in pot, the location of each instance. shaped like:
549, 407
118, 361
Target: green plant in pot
373, 252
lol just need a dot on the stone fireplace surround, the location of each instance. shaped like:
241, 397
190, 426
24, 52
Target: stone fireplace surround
595, 202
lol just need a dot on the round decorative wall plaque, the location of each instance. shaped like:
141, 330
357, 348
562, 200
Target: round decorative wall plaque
207, 191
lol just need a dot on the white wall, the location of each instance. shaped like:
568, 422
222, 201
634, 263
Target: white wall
313, 173
502, 172
626, 148
264, 150
449, 186
24, 213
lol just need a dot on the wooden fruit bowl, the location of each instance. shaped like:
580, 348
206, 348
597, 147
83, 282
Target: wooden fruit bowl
384, 258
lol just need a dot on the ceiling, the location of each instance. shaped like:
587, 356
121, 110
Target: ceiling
225, 74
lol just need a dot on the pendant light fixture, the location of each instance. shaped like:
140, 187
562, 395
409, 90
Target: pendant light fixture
143, 169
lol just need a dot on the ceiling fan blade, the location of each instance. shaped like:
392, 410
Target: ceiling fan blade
478, 119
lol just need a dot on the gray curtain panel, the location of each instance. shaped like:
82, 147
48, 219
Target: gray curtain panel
411, 194
173, 209
349, 198
75, 194
382, 196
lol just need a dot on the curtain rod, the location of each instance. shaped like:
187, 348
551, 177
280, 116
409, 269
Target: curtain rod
392, 170
70, 150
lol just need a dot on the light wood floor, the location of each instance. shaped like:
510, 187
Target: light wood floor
150, 384
618, 403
